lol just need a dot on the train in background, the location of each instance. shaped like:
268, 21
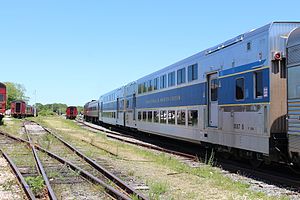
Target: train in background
71, 112
20, 109
241, 97
2, 100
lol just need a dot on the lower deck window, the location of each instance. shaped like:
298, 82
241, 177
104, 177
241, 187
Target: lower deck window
144, 116
239, 89
149, 116
156, 116
171, 117
193, 117
163, 117
181, 117
139, 116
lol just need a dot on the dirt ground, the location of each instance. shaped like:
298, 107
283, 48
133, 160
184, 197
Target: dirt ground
9, 187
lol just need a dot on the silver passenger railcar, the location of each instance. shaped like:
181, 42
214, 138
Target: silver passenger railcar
232, 96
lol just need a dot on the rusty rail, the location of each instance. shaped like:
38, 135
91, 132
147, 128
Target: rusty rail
40, 167
20, 178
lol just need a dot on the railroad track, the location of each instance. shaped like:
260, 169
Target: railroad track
267, 175
133, 140
77, 170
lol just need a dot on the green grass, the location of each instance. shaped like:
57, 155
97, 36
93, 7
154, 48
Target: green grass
36, 184
157, 189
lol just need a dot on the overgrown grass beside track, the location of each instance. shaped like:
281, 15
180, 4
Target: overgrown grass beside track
166, 176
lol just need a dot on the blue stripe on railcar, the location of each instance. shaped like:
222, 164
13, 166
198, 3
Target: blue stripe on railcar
185, 96
241, 68
110, 106
227, 90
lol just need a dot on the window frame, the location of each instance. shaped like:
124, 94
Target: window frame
194, 72
182, 76
177, 111
156, 84
163, 81
171, 79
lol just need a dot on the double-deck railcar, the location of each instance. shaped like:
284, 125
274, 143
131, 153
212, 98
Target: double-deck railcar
232, 96
91, 111
71, 112
2, 100
18, 108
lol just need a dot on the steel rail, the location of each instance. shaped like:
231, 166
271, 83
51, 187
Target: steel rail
40, 167
20, 178
110, 190
111, 134
99, 168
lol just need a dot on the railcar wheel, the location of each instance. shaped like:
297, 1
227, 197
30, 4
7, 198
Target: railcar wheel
255, 161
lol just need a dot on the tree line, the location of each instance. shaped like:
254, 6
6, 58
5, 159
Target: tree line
16, 91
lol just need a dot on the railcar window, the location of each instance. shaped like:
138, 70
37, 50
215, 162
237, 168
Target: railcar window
139, 116
1, 97
214, 89
171, 117
192, 72
144, 115
156, 116
294, 82
181, 76
140, 89
258, 77
171, 79
193, 117
149, 116
150, 85
145, 87
156, 80
239, 89
163, 81
163, 117
181, 117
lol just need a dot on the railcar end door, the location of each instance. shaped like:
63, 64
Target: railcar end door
213, 110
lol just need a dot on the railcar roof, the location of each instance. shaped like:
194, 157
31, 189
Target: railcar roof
244, 36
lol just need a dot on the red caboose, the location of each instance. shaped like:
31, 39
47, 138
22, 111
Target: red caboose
71, 112
2, 100
18, 108
29, 111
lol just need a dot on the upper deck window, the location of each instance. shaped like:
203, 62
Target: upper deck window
171, 79
192, 72
240, 89
145, 87
258, 78
181, 76
140, 86
155, 87
150, 85
163, 81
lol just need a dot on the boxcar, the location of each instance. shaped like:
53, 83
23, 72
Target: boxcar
71, 112
2, 100
232, 96
18, 108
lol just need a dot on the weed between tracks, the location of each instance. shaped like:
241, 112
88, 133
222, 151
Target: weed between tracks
166, 176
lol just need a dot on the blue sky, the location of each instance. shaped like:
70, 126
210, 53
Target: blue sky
72, 51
